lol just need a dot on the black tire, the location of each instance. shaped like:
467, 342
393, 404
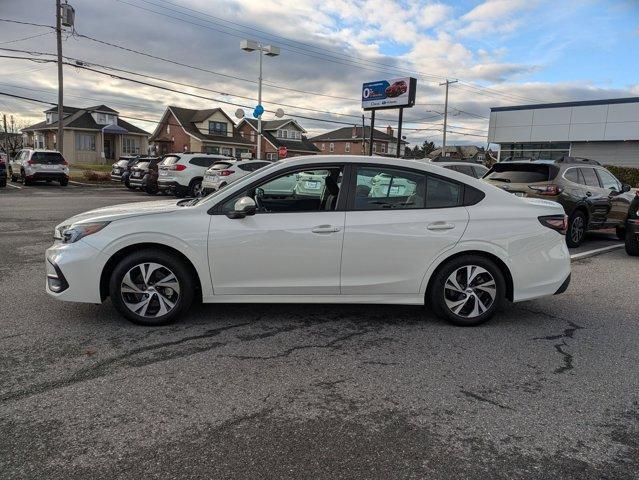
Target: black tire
14, 178
25, 181
64, 182
195, 187
128, 185
150, 189
3, 182
181, 271
438, 294
632, 244
577, 225
620, 231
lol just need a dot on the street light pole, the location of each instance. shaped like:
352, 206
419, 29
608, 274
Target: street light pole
271, 51
447, 83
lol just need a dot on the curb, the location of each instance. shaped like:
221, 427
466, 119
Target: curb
595, 252
94, 185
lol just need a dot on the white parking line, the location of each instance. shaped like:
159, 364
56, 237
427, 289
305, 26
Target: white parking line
596, 251
14, 186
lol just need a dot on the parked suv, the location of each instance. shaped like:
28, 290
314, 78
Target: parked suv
121, 169
32, 165
591, 196
3, 169
474, 170
140, 174
182, 173
222, 173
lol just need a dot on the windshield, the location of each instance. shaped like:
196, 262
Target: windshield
522, 173
171, 160
50, 158
142, 165
221, 165
122, 163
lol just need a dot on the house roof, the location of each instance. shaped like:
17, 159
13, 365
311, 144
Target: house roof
272, 124
81, 118
346, 133
303, 145
188, 117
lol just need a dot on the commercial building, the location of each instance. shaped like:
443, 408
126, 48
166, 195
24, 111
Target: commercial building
602, 130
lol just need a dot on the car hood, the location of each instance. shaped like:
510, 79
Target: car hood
126, 210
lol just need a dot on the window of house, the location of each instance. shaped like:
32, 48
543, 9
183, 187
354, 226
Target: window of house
168, 128
226, 151
130, 145
85, 142
252, 136
383, 147
323, 146
211, 149
284, 133
331, 147
271, 156
217, 128
347, 147
39, 140
374, 148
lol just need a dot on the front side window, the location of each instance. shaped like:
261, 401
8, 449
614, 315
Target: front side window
298, 191
572, 175
217, 128
608, 181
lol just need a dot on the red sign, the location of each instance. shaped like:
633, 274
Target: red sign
282, 152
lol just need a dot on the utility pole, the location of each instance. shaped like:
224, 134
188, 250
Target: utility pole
447, 83
6, 137
58, 32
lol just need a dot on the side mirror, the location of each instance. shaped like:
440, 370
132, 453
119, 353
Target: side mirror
243, 207
625, 188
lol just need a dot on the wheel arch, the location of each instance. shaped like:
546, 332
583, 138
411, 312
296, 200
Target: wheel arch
107, 270
481, 253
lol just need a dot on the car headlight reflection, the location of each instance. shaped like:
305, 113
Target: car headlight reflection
73, 233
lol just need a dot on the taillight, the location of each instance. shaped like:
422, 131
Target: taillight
30, 162
555, 222
177, 166
550, 190
64, 162
225, 173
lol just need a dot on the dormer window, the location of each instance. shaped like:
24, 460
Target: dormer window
217, 128
103, 118
52, 117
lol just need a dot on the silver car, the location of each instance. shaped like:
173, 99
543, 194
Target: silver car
227, 171
33, 165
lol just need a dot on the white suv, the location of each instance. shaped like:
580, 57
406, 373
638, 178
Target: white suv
182, 173
32, 165
227, 171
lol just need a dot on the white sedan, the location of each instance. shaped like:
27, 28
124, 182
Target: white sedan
425, 235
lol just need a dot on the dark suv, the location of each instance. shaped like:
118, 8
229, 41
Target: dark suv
591, 196
141, 174
121, 169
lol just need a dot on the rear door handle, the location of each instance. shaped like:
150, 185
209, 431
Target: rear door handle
588, 194
440, 226
325, 229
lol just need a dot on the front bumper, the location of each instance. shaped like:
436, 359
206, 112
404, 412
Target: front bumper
137, 182
116, 177
73, 272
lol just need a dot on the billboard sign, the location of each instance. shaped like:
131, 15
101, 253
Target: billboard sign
389, 93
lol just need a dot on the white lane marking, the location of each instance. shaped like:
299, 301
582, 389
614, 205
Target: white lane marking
596, 251
14, 186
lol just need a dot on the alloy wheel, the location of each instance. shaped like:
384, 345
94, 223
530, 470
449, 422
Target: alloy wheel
150, 290
197, 189
470, 291
577, 229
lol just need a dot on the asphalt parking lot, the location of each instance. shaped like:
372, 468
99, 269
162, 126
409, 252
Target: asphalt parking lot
546, 390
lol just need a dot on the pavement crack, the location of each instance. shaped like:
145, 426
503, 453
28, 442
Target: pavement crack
486, 400
102, 368
567, 358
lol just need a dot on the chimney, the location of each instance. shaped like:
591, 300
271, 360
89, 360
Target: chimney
389, 130
354, 131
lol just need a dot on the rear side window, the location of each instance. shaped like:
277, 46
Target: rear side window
479, 171
441, 193
522, 172
221, 165
202, 161
572, 175
49, 158
590, 177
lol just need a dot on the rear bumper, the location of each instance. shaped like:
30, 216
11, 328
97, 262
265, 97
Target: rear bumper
39, 176
171, 185
564, 286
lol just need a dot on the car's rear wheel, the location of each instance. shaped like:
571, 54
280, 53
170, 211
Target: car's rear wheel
620, 231
151, 287
195, 187
467, 291
576, 229
64, 182
632, 243
25, 181
14, 178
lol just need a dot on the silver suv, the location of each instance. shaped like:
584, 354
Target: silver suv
182, 173
33, 165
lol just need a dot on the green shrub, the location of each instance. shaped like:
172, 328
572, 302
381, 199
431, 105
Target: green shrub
629, 175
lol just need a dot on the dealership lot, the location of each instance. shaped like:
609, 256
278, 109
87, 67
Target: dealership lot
545, 390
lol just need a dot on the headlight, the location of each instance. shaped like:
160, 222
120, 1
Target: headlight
73, 233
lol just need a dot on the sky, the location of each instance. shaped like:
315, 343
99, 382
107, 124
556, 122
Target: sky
502, 52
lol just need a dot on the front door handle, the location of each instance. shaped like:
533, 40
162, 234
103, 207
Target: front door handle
440, 226
588, 194
325, 229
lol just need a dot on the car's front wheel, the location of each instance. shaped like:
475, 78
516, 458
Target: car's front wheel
151, 287
632, 243
14, 178
195, 188
467, 291
576, 229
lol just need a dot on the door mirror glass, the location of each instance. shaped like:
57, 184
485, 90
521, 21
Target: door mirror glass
625, 188
244, 206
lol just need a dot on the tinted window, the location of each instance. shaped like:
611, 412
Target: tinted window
608, 181
173, 159
203, 161
522, 173
385, 188
221, 165
572, 175
50, 158
480, 171
590, 177
441, 193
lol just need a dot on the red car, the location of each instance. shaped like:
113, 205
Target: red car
396, 89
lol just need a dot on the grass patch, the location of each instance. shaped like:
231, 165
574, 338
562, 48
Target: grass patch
91, 167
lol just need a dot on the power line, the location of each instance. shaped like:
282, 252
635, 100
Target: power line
25, 38
8, 20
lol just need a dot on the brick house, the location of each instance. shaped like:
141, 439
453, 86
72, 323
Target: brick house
349, 141
91, 135
206, 131
277, 133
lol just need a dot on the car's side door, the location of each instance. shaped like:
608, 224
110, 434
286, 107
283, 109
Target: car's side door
293, 243
595, 196
397, 222
619, 203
